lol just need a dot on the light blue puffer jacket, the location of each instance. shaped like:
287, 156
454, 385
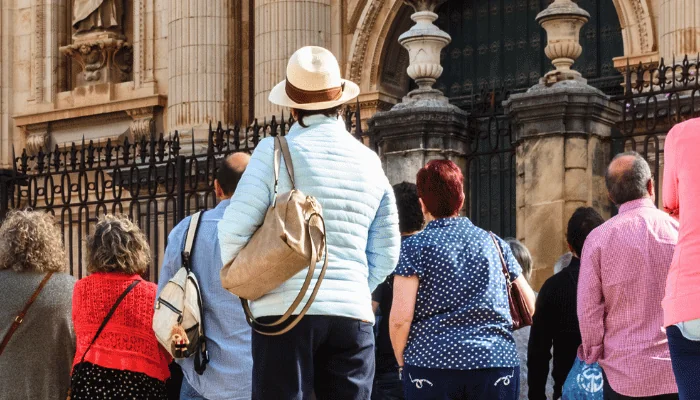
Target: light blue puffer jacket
358, 205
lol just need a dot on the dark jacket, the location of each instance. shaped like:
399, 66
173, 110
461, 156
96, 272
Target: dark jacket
555, 327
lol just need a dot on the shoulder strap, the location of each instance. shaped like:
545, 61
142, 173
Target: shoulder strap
503, 260
189, 241
284, 145
281, 149
109, 316
20, 317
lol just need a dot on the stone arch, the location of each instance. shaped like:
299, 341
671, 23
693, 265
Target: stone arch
376, 26
639, 31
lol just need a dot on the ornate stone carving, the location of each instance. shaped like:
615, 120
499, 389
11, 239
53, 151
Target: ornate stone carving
362, 40
99, 46
562, 20
424, 42
102, 60
38, 51
37, 137
143, 124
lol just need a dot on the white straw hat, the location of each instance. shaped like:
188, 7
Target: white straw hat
313, 82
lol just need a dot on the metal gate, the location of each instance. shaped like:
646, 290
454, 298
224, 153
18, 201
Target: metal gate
656, 98
154, 181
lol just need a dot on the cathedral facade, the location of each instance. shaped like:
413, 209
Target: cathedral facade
99, 70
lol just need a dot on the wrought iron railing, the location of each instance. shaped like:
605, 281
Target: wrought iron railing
156, 181
656, 98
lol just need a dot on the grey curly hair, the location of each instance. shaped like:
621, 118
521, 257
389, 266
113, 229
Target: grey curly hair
118, 245
31, 241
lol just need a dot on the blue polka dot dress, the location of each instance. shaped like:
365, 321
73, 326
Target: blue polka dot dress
462, 320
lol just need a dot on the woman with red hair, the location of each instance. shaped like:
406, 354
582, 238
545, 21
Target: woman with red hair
450, 323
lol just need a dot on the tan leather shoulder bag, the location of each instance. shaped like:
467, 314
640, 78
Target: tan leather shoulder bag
291, 238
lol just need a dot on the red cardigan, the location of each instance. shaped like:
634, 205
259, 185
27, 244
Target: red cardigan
127, 342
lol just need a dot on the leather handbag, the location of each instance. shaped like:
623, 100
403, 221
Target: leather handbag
291, 238
519, 311
20, 317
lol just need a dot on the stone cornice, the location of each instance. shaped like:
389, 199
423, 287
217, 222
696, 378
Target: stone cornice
90, 110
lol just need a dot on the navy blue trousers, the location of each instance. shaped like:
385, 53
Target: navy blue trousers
685, 357
332, 357
449, 384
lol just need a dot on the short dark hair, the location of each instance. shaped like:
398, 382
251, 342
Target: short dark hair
228, 177
410, 214
630, 183
441, 187
328, 112
581, 224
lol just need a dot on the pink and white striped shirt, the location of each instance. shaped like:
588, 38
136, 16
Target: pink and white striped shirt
621, 284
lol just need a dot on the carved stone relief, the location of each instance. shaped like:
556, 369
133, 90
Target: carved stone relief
99, 45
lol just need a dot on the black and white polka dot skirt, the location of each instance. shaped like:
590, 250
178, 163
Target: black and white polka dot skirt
95, 382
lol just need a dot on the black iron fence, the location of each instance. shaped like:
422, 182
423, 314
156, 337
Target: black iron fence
490, 173
156, 181
656, 98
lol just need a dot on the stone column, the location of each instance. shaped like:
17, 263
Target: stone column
679, 29
563, 127
281, 28
200, 73
424, 126
563, 131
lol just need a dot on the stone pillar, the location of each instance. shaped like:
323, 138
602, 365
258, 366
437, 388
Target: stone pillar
200, 74
679, 29
424, 126
563, 129
281, 28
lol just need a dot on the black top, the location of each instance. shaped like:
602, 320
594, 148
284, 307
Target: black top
384, 295
554, 326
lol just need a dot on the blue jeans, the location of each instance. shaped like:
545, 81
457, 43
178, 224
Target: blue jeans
438, 384
188, 393
685, 356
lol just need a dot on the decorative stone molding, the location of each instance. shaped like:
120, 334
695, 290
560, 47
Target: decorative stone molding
424, 42
37, 137
361, 42
562, 20
102, 58
143, 124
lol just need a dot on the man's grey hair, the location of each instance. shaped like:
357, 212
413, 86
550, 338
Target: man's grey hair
629, 183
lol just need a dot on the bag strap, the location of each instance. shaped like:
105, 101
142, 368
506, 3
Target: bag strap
503, 263
281, 149
189, 240
260, 327
99, 330
109, 316
20, 317
201, 355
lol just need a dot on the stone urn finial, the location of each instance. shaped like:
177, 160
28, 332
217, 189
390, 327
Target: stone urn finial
563, 20
424, 42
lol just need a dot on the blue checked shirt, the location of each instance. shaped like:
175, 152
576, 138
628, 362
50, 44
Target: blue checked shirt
229, 372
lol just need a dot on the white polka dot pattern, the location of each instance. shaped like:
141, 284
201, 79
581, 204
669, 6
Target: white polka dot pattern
462, 319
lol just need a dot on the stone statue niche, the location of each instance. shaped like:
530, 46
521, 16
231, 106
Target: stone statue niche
99, 45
